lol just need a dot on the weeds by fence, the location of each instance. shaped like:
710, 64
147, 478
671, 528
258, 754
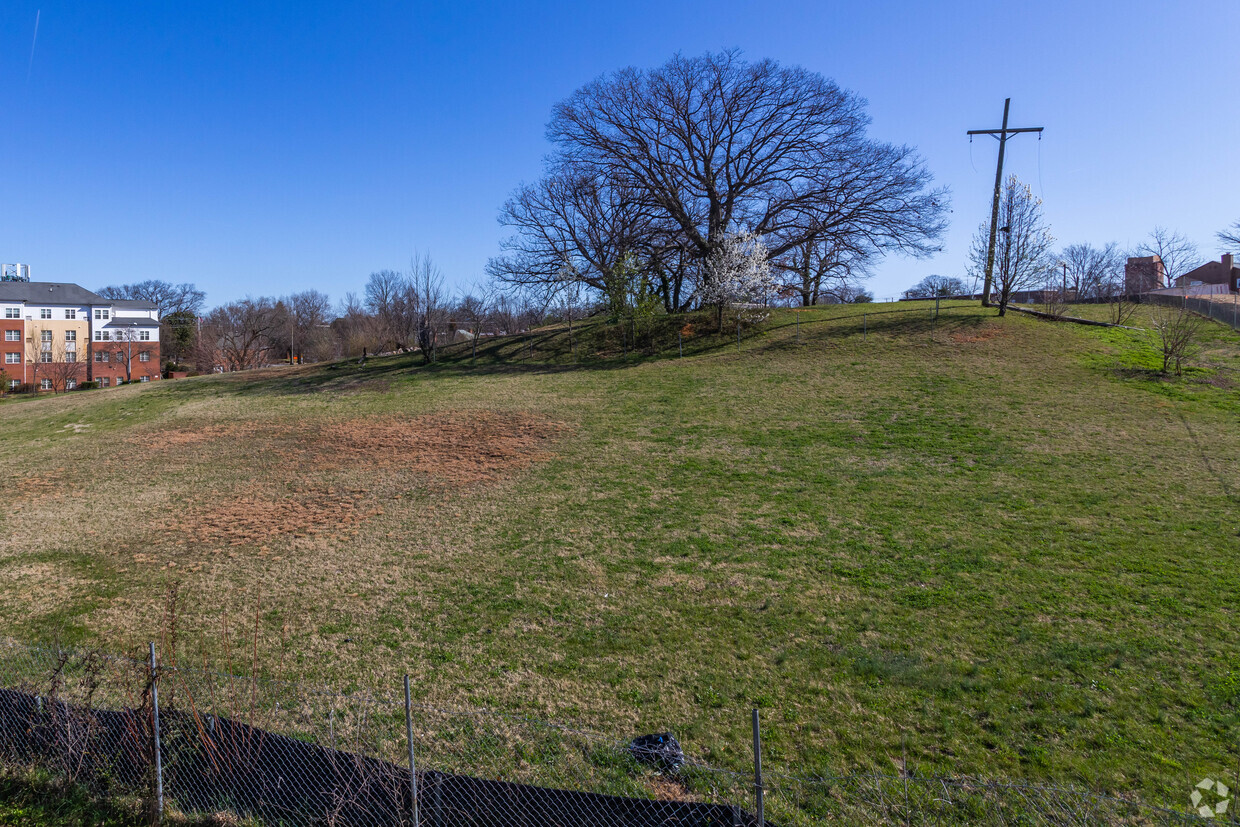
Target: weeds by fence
284, 753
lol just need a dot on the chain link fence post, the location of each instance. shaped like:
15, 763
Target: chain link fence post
413, 772
158, 815
757, 771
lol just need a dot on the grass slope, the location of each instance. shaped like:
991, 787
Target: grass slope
999, 545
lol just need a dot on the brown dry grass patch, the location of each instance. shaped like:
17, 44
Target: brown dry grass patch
455, 449
982, 334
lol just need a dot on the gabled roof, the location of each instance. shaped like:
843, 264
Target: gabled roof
133, 304
130, 321
47, 292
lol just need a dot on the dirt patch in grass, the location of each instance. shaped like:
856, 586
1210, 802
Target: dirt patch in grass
982, 334
454, 448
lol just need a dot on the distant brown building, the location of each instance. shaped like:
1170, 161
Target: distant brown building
1143, 274
1224, 271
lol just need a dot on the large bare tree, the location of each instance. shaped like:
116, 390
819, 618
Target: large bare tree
659, 167
1022, 253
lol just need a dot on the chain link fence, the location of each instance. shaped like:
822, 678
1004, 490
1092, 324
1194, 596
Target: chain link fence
1223, 308
195, 741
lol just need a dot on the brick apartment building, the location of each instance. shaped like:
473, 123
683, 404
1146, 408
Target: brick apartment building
1223, 271
58, 335
1143, 274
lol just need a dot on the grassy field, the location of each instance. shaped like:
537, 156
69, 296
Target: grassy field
1001, 547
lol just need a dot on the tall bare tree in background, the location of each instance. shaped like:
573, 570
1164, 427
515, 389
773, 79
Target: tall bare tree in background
1231, 237
428, 302
1093, 272
1178, 254
1022, 253
239, 334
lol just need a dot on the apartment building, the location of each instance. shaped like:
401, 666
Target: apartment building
56, 336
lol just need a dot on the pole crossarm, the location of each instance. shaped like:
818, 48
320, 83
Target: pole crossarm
1000, 131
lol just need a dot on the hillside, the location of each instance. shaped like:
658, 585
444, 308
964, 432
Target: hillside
1003, 547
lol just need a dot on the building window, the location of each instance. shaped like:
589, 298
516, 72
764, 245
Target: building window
12, 313
45, 357
70, 355
70, 384
103, 381
70, 314
144, 356
12, 335
46, 336
12, 358
144, 379
45, 313
14, 383
144, 335
101, 314
70, 335
45, 384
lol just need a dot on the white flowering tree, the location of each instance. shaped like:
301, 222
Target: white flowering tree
738, 274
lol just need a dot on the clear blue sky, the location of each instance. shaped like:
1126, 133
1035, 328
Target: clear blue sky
267, 147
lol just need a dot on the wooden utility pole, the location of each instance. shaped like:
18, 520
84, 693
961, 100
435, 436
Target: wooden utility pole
1002, 134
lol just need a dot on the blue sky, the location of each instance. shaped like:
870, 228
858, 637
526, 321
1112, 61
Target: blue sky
267, 147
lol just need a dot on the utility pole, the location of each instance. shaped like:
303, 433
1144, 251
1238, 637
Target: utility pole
1002, 134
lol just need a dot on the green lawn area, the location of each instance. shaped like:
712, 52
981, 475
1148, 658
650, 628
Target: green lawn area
1003, 547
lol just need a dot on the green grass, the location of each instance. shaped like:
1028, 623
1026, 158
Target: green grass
1002, 546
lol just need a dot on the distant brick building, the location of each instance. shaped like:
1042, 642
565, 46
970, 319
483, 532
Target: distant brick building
1223, 271
56, 336
1143, 274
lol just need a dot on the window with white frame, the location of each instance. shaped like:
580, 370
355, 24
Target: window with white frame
101, 314
103, 381
70, 384
144, 379
70, 335
144, 356
70, 355
12, 335
45, 357
70, 314
12, 358
12, 312
45, 384
144, 335
101, 356
14, 383
45, 313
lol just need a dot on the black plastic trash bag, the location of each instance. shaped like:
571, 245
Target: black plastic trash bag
661, 751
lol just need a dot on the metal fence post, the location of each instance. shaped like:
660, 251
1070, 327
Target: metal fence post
413, 772
757, 771
159, 765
